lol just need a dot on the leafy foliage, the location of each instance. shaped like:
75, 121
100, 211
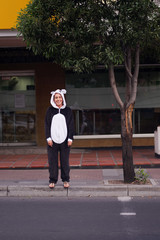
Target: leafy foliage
81, 34
141, 176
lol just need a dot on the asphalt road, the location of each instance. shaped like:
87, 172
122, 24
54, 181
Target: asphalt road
79, 219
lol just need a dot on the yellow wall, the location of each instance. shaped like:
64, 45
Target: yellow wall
8, 12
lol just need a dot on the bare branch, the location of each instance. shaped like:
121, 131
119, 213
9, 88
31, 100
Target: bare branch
136, 70
127, 63
135, 78
127, 70
129, 75
114, 87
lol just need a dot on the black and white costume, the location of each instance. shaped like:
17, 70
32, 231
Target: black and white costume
59, 127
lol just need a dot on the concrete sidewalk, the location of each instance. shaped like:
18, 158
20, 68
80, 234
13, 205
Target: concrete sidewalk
84, 183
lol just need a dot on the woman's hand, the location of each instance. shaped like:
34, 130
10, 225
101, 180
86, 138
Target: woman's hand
69, 143
50, 143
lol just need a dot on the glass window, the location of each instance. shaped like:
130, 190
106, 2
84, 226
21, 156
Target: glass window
7, 131
16, 83
17, 107
147, 120
108, 121
95, 109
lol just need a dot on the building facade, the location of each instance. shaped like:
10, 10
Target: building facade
27, 80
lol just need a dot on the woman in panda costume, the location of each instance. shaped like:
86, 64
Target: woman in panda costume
59, 128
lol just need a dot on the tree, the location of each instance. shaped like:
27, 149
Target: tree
81, 34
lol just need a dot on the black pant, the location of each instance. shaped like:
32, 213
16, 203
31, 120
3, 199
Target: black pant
53, 161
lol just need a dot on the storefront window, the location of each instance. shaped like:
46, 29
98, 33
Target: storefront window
17, 107
147, 120
94, 106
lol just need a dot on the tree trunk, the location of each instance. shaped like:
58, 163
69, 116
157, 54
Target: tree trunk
126, 135
126, 126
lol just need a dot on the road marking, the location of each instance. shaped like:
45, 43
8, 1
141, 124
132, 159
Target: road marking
124, 199
128, 214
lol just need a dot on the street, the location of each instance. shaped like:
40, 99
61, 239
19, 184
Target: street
79, 218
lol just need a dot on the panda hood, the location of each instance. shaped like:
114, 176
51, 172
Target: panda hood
61, 92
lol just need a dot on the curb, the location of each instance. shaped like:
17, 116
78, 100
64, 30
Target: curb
80, 191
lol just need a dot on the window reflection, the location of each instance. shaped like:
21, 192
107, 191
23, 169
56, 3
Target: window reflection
18, 127
95, 109
17, 107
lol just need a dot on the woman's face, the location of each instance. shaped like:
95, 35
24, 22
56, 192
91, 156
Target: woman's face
58, 100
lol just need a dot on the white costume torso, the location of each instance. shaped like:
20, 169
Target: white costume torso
58, 128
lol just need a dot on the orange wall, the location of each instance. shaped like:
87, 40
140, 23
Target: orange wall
9, 10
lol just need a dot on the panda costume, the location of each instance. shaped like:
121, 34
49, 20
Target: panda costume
59, 129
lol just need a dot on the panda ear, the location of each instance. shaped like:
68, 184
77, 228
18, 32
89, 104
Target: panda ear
63, 91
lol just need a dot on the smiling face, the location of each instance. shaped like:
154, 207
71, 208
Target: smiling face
58, 100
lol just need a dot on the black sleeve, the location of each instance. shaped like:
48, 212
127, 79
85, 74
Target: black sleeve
70, 124
48, 123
